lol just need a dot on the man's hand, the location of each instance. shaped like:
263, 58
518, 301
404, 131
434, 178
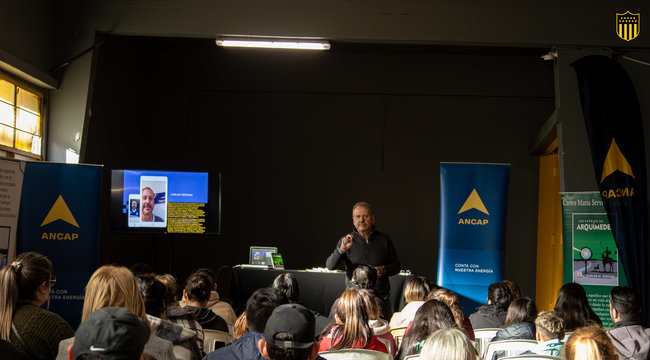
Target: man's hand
346, 243
380, 271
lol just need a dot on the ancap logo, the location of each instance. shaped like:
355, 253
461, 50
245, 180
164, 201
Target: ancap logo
628, 25
615, 161
473, 202
60, 211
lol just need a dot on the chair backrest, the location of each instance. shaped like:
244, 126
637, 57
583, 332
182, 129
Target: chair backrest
566, 336
483, 337
398, 335
412, 357
355, 354
508, 348
212, 337
531, 357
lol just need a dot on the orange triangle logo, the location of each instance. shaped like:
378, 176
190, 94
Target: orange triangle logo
60, 211
474, 202
615, 161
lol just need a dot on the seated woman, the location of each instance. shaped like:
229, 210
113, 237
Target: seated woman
448, 344
590, 343
573, 307
451, 300
493, 315
520, 321
116, 286
351, 330
379, 326
431, 316
415, 293
25, 286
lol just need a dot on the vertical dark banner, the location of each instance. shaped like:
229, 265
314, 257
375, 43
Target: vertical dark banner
614, 127
59, 217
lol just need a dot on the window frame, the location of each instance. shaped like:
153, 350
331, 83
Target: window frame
12, 151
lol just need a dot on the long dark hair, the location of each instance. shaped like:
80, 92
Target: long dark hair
19, 282
288, 284
499, 295
431, 316
521, 310
573, 307
153, 293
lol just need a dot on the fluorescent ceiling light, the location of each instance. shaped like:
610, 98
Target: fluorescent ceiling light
276, 44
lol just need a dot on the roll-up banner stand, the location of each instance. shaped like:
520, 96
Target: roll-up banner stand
59, 216
591, 257
473, 201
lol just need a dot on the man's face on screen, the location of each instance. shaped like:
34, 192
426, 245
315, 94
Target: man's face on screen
134, 205
147, 202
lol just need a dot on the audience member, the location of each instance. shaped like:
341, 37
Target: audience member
631, 339
573, 307
514, 289
415, 293
364, 277
196, 295
188, 343
590, 343
25, 286
288, 284
110, 333
379, 327
220, 308
451, 300
115, 286
493, 315
258, 310
289, 334
431, 316
520, 321
240, 326
10, 352
448, 344
171, 286
352, 329
549, 335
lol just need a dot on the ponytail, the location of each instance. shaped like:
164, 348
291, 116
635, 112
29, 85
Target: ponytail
19, 282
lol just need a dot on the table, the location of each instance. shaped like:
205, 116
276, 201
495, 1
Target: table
318, 290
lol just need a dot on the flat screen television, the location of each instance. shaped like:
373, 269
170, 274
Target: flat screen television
148, 201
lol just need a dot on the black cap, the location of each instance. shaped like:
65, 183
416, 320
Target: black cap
292, 319
112, 333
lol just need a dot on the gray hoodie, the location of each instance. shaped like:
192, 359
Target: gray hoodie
631, 340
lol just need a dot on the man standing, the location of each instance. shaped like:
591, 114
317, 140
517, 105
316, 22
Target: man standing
365, 245
148, 204
631, 340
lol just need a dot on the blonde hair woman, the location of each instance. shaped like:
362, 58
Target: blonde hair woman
24, 287
590, 343
448, 344
114, 285
415, 294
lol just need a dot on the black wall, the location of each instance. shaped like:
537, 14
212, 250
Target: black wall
299, 137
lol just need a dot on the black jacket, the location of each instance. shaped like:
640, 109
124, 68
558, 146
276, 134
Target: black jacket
377, 251
488, 316
523, 331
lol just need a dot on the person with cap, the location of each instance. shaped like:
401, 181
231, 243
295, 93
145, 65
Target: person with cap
110, 333
289, 334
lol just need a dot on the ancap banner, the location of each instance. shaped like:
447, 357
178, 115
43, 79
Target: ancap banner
59, 216
473, 200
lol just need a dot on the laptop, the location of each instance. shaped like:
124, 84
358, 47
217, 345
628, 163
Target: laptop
262, 255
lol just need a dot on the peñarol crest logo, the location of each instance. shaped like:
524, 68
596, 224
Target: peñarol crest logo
628, 25
616, 161
473, 202
59, 211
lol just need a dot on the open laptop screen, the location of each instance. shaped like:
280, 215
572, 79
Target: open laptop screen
262, 255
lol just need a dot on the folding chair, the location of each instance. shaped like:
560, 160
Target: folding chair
531, 357
355, 354
508, 347
483, 337
212, 337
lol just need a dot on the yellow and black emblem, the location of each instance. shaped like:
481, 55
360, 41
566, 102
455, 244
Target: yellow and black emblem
628, 25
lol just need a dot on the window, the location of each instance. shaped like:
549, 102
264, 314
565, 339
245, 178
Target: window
21, 119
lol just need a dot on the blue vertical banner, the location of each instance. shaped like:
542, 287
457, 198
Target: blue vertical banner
59, 218
473, 204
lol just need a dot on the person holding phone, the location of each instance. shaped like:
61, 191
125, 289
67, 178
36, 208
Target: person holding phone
148, 204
